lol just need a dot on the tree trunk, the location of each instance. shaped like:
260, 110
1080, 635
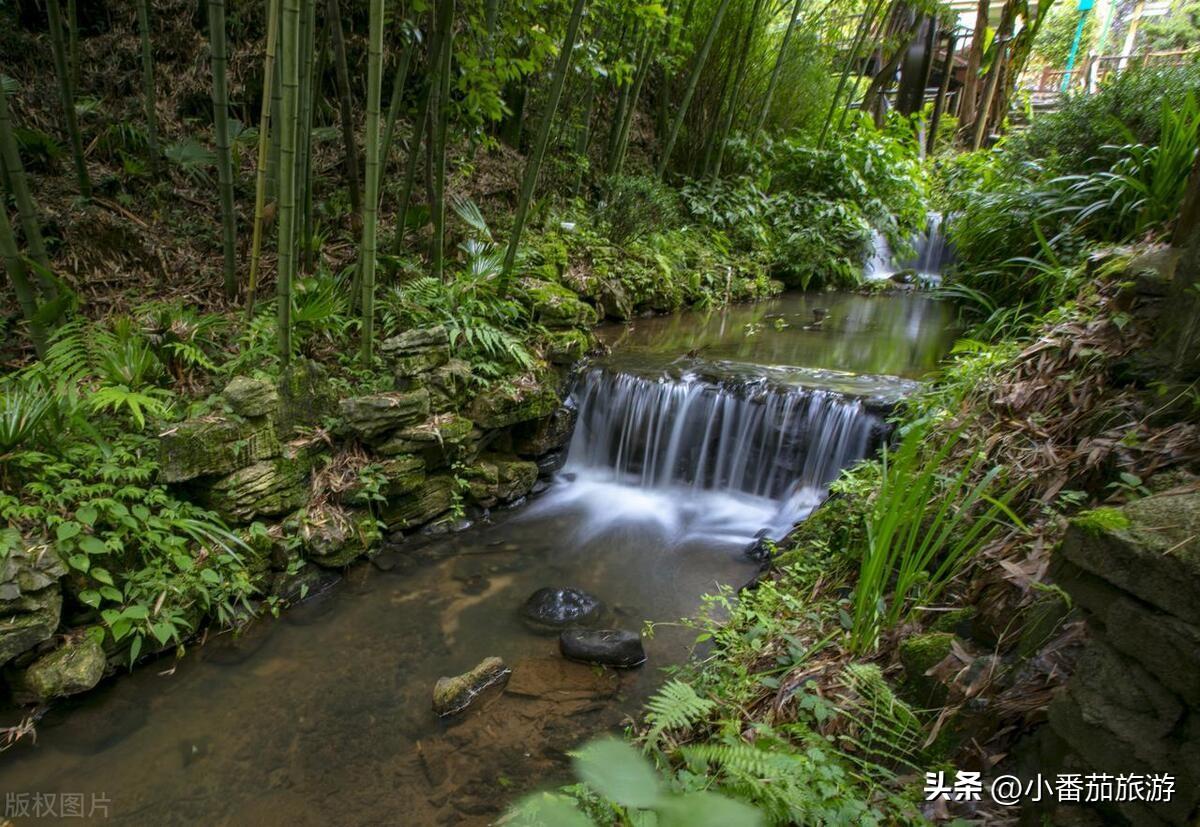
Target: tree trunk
290, 74
693, 80
220, 99
970, 90
20, 282
73, 43
765, 109
534, 163
67, 97
265, 130
344, 102
939, 103
149, 97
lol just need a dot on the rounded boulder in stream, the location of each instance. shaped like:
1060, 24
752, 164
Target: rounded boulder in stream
561, 608
607, 647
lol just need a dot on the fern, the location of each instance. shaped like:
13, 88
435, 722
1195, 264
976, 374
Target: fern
675, 706
885, 730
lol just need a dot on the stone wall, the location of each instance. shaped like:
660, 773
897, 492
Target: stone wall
333, 479
1132, 704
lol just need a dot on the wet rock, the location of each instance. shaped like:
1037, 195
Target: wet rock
70, 669
496, 480
265, 489
507, 404
434, 497
417, 351
371, 416
251, 397
556, 306
453, 695
214, 445
334, 537
304, 583
533, 439
551, 463
606, 647
760, 548
561, 608
30, 598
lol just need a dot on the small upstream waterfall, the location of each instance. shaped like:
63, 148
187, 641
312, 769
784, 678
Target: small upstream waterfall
880, 265
933, 252
692, 456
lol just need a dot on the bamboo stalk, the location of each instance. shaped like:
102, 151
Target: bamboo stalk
693, 81
534, 164
149, 98
20, 282
290, 75
302, 217
220, 99
344, 102
371, 203
410, 173
265, 129
439, 117
776, 71
10, 160
389, 129
67, 97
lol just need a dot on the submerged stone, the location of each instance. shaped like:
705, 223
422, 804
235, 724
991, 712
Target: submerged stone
561, 608
606, 647
368, 417
72, 668
453, 695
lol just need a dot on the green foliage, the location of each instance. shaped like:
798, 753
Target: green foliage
635, 206
924, 527
631, 792
674, 706
148, 565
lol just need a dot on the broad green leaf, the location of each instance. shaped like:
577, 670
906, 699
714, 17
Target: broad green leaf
546, 810
618, 772
93, 545
86, 515
707, 810
90, 598
136, 612
135, 649
67, 530
80, 561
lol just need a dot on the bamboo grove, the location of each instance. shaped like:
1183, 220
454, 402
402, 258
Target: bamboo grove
416, 92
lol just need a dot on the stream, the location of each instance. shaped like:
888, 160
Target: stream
695, 433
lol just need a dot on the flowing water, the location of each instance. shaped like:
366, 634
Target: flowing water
696, 433
932, 254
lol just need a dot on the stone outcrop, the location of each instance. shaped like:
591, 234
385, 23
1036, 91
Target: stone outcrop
434, 497
212, 445
74, 667
1132, 704
269, 488
416, 351
506, 404
556, 306
30, 598
251, 397
372, 416
334, 537
499, 479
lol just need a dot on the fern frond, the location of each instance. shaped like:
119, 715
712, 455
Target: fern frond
675, 706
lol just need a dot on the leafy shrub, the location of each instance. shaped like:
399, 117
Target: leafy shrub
636, 205
1124, 110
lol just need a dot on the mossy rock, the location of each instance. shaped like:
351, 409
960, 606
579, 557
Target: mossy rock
372, 416
565, 347
919, 654
30, 596
495, 480
450, 385
265, 489
214, 445
1149, 548
506, 404
452, 695
251, 397
70, 669
433, 498
417, 351
533, 439
556, 306
334, 537
306, 397
387, 478
439, 433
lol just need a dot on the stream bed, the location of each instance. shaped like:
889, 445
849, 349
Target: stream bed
697, 432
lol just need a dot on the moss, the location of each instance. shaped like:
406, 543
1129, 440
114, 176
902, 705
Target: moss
72, 668
919, 654
955, 621
1102, 519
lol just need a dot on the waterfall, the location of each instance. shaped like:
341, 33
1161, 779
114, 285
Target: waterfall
698, 456
933, 252
879, 265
